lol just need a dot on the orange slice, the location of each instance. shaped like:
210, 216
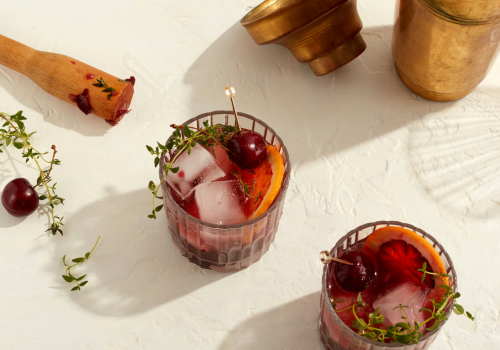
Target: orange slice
267, 179
389, 233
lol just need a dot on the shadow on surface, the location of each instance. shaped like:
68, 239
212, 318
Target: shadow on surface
7, 220
54, 110
291, 326
136, 266
456, 155
315, 116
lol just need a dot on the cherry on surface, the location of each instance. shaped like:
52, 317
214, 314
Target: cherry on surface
357, 277
247, 149
19, 198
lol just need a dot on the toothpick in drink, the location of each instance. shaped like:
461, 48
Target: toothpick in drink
231, 92
326, 258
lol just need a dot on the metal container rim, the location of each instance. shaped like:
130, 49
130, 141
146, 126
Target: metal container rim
254, 15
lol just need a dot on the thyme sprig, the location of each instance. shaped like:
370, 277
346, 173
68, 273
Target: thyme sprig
248, 191
183, 139
68, 277
101, 83
405, 332
13, 132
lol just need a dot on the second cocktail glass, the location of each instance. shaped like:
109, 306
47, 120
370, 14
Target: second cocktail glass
335, 334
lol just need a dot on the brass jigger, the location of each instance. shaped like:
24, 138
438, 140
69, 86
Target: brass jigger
326, 258
231, 92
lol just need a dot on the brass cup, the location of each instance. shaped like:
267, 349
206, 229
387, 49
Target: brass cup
443, 48
324, 34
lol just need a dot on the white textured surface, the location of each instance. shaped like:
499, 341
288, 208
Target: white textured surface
363, 148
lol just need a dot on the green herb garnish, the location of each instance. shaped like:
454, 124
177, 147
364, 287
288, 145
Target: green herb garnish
404, 332
207, 137
248, 191
68, 277
13, 132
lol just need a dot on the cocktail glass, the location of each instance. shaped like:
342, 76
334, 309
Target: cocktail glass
335, 334
226, 248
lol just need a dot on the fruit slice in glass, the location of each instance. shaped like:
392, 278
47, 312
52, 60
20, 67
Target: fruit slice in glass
226, 248
335, 333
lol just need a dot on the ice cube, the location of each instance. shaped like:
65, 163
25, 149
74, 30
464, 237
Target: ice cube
195, 168
220, 202
406, 295
223, 161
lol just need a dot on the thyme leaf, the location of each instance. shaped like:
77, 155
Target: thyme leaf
405, 332
68, 277
183, 139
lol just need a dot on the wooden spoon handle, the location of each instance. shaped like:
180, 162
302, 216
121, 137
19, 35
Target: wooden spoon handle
62, 76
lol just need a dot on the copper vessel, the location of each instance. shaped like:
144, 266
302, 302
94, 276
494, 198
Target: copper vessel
323, 33
443, 48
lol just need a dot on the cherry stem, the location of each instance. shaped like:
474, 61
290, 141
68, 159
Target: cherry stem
46, 177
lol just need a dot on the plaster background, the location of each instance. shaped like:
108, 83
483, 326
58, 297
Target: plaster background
363, 149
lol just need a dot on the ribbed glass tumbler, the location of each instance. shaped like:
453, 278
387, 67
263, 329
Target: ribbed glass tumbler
226, 248
335, 334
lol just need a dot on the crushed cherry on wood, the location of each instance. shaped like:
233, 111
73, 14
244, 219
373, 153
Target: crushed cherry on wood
131, 80
82, 101
119, 116
73, 62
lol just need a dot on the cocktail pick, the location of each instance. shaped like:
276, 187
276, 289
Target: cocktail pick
326, 258
231, 92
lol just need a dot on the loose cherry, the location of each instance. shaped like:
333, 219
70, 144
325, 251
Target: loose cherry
357, 277
19, 198
247, 149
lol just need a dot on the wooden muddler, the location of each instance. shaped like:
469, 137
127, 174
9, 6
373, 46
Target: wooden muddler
65, 77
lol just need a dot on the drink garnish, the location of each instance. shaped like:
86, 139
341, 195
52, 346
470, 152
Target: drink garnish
407, 268
325, 258
405, 255
207, 137
405, 332
357, 276
247, 148
248, 191
268, 179
231, 92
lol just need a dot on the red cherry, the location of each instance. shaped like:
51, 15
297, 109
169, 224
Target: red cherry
357, 277
247, 149
20, 198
